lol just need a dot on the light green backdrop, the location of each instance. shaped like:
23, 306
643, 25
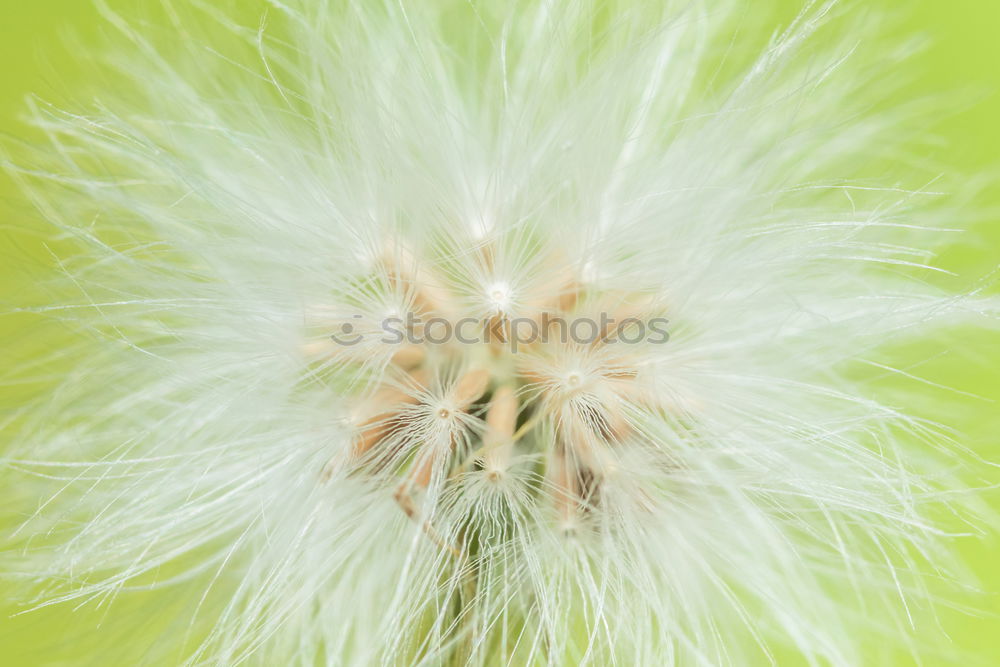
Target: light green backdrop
963, 58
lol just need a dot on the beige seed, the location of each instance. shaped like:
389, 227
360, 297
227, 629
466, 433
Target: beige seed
470, 387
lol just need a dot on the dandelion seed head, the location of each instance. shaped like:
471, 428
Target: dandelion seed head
574, 303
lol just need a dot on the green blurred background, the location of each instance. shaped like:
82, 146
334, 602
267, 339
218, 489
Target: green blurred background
962, 60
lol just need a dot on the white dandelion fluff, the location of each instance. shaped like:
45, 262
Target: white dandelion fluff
488, 333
